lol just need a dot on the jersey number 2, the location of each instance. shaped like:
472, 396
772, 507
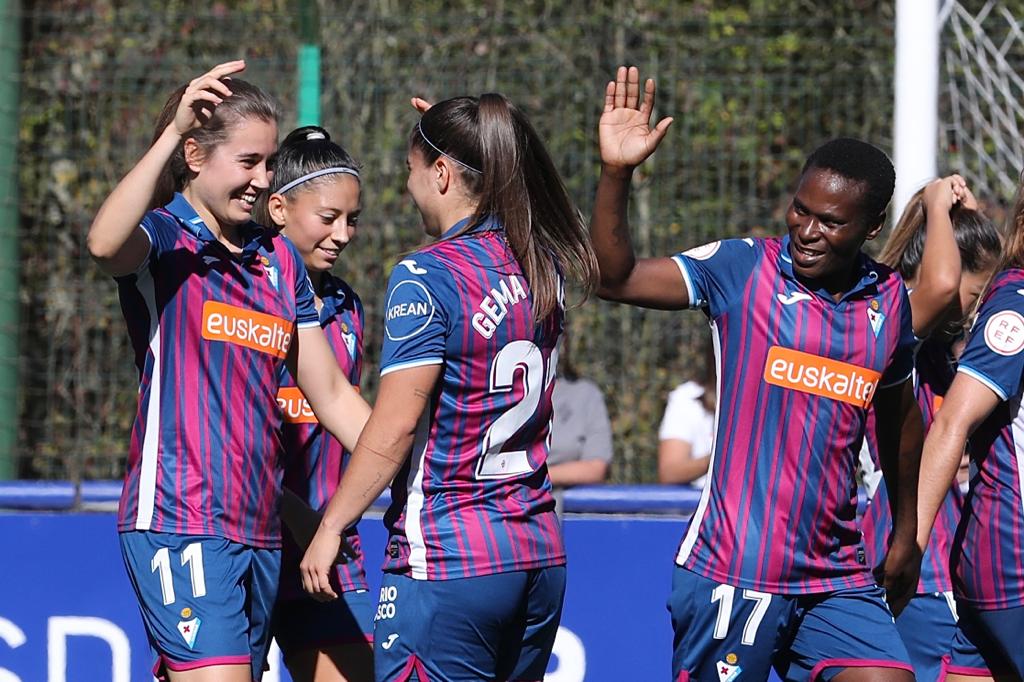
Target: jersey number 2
526, 359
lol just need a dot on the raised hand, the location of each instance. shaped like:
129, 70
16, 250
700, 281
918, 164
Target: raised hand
421, 105
202, 95
944, 193
624, 131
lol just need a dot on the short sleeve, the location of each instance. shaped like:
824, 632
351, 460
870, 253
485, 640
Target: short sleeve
162, 230
715, 273
901, 365
682, 418
994, 354
306, 314
419, 297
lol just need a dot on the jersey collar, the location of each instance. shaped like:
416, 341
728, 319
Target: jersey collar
332, 295
489, 223
252, 234
867, 282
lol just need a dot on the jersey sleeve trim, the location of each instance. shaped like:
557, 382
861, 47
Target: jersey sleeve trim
409, 364
992, 385
308, 324
691, 294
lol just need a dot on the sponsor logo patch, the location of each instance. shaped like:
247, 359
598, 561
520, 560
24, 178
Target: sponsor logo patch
794, 297
294, 406
1004, 332
820, 376
409, 310
248, 328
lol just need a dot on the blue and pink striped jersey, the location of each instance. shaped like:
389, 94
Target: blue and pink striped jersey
934, 370
313, 458
988, 560
797, 371
210, 331
474, 497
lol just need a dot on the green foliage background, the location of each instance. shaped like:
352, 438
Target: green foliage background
753, 86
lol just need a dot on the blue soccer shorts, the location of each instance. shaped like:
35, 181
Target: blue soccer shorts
205, 600
492, 627
927, 626
304, 623
987, 643
724, 633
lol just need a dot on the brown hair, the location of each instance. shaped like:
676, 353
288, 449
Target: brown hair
976, 236
247, 101
1013, 254
503, 164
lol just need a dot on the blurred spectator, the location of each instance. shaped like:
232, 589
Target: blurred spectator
687, 431
581, 435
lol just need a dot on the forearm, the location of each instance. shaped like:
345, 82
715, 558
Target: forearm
943, 449
580, 472
609, 228
120, 215
899, 436
376, 460
344, 414
938, 278
682, 470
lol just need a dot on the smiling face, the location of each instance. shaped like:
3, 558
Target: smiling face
230, 176
827, 227
320, 218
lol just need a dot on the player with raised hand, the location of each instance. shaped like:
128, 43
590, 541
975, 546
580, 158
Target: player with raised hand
475, 569
314, 198
945, 250
215, 305
982, 413
808, 333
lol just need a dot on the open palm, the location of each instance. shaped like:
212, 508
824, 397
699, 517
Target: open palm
624, 131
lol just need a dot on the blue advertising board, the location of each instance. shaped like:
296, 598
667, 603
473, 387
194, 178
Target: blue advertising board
68, 614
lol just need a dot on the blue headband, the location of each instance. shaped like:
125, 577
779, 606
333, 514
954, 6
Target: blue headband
316, 174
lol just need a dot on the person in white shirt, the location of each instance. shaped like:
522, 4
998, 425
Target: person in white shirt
687, 431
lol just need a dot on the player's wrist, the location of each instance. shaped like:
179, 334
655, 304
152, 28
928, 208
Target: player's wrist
616, 171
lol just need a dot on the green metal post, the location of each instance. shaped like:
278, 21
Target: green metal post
309, 65
10, 71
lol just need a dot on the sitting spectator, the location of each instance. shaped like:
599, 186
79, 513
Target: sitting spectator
581, 435
687, 431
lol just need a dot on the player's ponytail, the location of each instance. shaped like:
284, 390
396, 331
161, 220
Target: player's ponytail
1013, 254
504, 165
246, 102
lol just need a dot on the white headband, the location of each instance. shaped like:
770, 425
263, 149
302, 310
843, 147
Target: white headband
419, 126
316, 174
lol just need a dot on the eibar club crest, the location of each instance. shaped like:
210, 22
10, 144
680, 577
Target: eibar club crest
727, 672
272, 275
875, 316
188, 630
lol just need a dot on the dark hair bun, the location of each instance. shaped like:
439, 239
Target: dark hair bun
305, 134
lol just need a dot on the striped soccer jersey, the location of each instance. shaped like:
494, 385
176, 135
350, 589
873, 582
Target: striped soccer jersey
797, 371
209, 331
988, 559
474, 497
313, 458
934, 369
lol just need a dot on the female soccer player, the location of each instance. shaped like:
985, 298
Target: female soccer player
809, 332
212, 302
315, 198
982, 412
945, 250
475, 575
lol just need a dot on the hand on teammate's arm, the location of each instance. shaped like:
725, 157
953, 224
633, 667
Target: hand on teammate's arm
899, 430
938, 277
378, 456
335, 402
967, 403
115, 240
626, 140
